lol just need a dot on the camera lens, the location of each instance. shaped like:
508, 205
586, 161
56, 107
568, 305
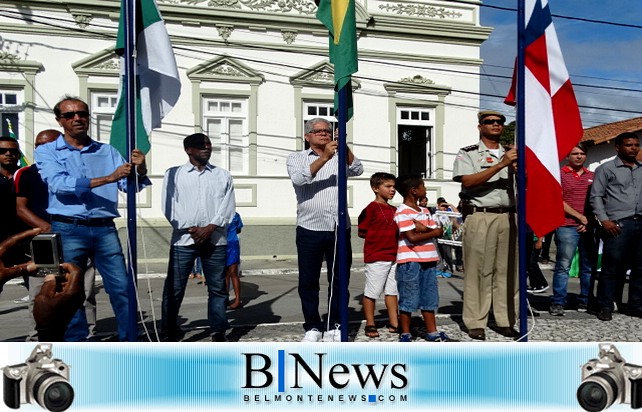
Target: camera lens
53, 392
597, 392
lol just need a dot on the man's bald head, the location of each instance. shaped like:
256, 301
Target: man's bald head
46, 136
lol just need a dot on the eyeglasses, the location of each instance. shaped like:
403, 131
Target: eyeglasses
11, 151
71, 115
321, 131
493, 121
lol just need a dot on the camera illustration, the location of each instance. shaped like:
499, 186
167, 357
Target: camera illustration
41, 379
608, 380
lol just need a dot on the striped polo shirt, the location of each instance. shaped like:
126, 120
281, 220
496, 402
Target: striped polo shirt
317, 196
575, 190
420, 252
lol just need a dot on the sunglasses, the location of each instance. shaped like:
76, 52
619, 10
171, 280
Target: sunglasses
493, 121
11, 151
71, 115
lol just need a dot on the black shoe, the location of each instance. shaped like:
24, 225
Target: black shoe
477, 334
219, 337
605, 314
556, 310
537, 289
507, 331
172, 336
460, 268
636, 313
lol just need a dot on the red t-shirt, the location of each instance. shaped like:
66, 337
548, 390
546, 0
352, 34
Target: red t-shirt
377, 225
575, 190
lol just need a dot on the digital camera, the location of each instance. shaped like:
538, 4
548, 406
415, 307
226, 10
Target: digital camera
40, 380
608, 380
46, 253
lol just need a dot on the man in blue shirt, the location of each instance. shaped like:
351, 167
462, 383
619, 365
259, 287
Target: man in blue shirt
84, 177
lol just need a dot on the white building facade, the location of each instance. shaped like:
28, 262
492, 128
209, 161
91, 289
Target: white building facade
252, 72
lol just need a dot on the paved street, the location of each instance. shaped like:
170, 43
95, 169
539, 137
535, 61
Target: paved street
271, 311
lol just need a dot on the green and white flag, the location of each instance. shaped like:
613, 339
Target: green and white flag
157, 83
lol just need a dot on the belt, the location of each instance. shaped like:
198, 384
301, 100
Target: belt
634, 217
493, 209
100, 221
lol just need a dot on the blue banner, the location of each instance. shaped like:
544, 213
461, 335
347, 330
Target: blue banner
273, 376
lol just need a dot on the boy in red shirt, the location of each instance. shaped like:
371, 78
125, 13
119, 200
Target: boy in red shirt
377, 226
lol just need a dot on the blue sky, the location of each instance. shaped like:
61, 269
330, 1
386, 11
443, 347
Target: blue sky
595, 54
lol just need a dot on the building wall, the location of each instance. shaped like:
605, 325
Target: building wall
420, 55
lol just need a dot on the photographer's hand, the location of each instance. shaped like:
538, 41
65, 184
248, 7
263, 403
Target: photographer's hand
59, 299
8, 273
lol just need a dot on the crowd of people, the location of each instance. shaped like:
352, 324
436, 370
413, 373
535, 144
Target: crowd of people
399, 247
72, 190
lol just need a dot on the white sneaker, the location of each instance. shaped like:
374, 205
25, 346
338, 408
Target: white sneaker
333, 335
313, 335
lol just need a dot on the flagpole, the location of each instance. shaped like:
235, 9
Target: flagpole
342, 187
521, 170
130, 110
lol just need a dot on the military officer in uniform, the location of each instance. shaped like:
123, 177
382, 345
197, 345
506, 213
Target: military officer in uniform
485, 171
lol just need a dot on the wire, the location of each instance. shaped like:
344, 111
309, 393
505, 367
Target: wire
332, 275
393, 64
559, 16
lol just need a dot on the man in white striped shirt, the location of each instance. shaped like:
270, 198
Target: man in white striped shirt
314, 176
199, 202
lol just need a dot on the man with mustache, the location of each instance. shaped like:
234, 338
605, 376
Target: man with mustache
199, 202
84, 177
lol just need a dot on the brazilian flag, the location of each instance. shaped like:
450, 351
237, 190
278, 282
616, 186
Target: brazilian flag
339, 17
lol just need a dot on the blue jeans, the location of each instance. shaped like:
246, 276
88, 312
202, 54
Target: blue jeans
567, 239
181, 261
102, 246
618, 255
312, 248
418, 287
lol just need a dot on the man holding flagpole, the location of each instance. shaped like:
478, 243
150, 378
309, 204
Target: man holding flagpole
84, 177
314, 176
489, 243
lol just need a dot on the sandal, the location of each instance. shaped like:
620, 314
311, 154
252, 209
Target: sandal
392, 328
371, 331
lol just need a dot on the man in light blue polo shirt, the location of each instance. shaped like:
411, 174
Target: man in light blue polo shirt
84, 177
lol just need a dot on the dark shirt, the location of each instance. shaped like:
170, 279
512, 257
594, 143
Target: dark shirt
29, 184
8, 225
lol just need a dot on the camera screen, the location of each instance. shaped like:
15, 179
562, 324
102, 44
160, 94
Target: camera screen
43, 253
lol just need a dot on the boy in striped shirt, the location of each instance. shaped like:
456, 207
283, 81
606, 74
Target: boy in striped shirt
417, 259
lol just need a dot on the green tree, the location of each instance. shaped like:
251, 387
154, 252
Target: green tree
508, 135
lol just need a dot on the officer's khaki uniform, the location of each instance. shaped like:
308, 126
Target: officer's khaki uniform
489, 241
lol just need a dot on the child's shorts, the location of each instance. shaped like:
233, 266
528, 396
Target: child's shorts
380, 278
233, 253
417, 284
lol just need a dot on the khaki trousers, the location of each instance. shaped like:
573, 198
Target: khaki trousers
490, 269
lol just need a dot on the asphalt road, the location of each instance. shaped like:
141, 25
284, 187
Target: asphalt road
271, 310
